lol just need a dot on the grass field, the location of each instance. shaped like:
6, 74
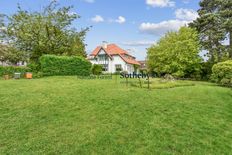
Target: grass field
66, 115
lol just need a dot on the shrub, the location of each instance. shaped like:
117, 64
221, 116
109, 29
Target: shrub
10, 70
96, 69
222, 73
34, 67
37, 75
143, 71
206, 70
64, 65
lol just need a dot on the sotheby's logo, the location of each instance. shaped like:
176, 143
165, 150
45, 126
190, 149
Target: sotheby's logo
134, 75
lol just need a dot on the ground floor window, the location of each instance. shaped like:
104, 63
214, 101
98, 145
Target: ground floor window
105, 67
118, 68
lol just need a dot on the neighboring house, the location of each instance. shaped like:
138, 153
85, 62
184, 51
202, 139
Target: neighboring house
21, 63
113, 58
143, 65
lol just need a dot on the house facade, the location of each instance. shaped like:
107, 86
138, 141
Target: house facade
113, 58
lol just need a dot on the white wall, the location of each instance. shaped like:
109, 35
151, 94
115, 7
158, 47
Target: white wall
130, 68
116, 60
20, 63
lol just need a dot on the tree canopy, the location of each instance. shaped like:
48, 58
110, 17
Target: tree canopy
12, 55
176, 53
47, 32
215, 26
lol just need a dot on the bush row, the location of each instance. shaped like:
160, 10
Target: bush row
64, 65
222, 73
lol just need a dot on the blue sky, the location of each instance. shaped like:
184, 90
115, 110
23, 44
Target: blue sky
132, 24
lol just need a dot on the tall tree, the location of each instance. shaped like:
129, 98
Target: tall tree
45, 32
176, 53
226, 14
213, 25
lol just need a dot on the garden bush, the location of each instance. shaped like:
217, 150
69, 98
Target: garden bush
206, 70
10, 70
96, 69
34, 67
64, 65
222, 73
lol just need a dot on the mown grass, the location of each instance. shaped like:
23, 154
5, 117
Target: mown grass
66, 115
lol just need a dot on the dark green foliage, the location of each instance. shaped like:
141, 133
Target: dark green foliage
214, 25
206, 70
10, 70
34, 67
143, 71
64, 65
96, 69
222, 73
37, 75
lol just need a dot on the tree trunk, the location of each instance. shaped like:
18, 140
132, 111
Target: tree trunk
212, 57
218, 51
230, 46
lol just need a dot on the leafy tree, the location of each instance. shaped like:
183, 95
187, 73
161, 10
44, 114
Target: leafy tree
214, 24
2, 52
45, 32
10, 54
176, 53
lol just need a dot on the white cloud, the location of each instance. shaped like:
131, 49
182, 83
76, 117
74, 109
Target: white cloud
160, 3
89, 1
162, 27
97, 19
120, 20
186, 14
139, 43
183, 17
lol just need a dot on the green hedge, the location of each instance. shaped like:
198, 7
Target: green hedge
64, 65
222, 73
10, 70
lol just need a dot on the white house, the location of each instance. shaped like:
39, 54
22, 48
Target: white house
113, 58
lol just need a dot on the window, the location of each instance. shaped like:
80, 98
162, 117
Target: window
118, 68
105, 67
102, 57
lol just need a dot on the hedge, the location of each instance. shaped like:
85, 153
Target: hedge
222, 73
10, 70
64, 65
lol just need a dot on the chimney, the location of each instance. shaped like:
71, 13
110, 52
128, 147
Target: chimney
104, 44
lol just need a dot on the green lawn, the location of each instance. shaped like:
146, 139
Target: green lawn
66, 115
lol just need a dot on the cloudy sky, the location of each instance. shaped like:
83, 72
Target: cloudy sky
132, 24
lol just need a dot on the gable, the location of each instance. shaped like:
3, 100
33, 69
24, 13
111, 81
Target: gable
118, 60
101, 52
